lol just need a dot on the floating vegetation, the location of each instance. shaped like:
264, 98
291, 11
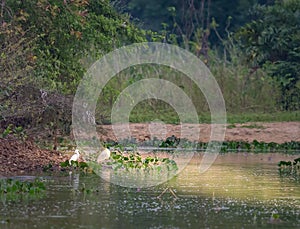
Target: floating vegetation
133, 160
74, 164
295, 164
16, 189
287, 168
172, 141
17, 186
131, 169
257, 146
120, 161
227, 146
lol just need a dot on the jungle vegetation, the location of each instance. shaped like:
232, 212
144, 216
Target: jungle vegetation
251, 47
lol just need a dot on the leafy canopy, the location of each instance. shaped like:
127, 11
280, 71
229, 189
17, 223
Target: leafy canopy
272, 41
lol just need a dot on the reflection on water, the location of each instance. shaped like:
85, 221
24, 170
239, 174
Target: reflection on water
238, 191
243, 176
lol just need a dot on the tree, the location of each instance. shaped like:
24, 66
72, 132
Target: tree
155, 14
45, 46
272, 41
66, 32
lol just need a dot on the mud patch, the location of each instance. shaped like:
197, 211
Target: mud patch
17, 157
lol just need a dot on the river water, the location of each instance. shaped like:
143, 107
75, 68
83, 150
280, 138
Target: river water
240, 190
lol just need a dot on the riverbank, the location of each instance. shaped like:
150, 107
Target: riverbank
20, 157
278, 132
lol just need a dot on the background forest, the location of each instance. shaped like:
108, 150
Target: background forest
252, 48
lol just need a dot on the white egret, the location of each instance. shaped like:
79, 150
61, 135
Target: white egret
104, 155
75, 156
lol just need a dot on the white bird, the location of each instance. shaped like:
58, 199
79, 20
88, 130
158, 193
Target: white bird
104, 155
75, 156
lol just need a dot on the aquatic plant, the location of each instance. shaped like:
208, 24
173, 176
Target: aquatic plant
123, 160
289, 168
133, 160
295, 164
237, 146
172, 141
74, 164
14, 186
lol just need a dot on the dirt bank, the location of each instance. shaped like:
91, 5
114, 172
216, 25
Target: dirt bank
18, 157
278, 132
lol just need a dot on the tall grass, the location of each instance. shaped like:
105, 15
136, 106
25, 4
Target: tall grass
249, 96
245, 91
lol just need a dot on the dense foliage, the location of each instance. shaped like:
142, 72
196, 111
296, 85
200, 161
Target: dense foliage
268, 40
63, 34
46, 46
186, 18
272, 41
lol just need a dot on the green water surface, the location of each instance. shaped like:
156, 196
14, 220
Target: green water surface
240, 190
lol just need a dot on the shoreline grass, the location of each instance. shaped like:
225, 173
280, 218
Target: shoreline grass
172, 118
